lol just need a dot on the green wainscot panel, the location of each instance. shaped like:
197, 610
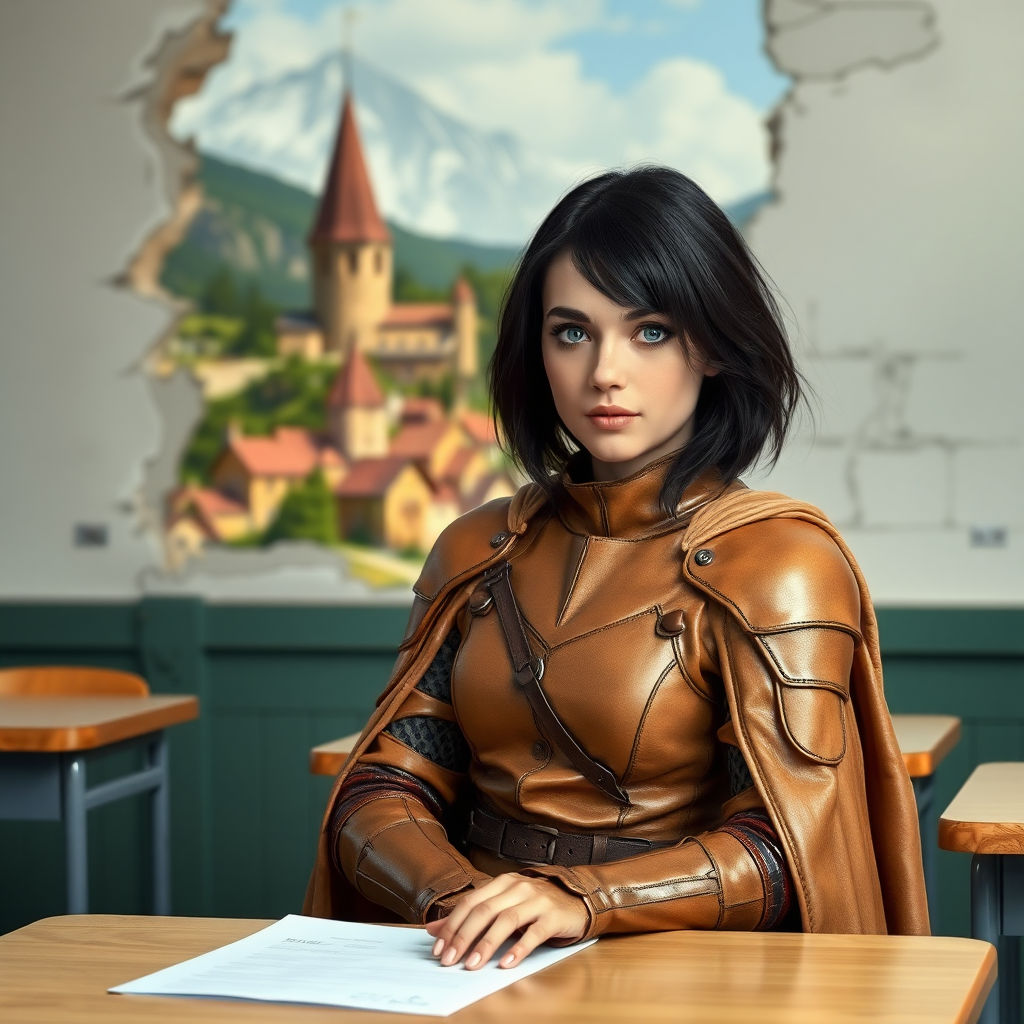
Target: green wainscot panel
275, 681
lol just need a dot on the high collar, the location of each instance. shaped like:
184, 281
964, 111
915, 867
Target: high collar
630, 509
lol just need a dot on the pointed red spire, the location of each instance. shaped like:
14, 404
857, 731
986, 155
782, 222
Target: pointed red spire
355, 386
348, 212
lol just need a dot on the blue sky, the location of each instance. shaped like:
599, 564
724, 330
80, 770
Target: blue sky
637, 34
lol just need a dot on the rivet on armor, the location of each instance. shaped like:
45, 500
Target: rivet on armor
672, 623
540, 750
498, 539
703, 557
480, 601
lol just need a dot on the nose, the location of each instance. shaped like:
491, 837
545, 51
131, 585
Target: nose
608, 372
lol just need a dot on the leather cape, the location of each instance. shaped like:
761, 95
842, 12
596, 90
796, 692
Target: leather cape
489, 535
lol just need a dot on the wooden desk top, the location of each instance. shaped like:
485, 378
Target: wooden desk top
987, 815
52, 724
58, 970
925, 740
328, 758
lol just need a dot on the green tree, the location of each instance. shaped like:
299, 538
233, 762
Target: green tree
258, 337
307, 513
220, 294
293, 395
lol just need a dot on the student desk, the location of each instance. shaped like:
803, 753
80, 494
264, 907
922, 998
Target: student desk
328, 758
58, 970
46, 743
986, 818
924, 741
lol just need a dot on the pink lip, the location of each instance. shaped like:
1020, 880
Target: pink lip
611, 417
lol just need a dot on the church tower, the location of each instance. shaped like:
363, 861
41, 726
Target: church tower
357, 418
351, 248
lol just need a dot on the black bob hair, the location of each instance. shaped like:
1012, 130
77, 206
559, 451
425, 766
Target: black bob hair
651, 239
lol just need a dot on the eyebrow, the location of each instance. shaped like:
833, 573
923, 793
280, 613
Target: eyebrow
569, 313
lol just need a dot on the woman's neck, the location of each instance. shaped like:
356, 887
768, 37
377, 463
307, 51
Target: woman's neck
605, 472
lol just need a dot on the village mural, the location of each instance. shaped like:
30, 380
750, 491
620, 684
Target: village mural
341, 347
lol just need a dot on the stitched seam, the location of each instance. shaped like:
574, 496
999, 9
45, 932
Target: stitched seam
777, 819
603, 506
643, 721
830, 761
433, 764
572, 585
708, 876
825, 684
677, 650
603, 629
762, 872
782, 627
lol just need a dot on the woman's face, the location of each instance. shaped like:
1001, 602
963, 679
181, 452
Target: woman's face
621, 379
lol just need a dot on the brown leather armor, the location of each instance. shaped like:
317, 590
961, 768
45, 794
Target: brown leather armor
656, 657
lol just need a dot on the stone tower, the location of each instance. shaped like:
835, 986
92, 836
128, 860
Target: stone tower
357, 417
351, 248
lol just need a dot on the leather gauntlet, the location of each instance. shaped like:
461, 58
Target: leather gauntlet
708, 881
396, 853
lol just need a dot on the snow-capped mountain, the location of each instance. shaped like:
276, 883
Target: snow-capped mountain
431, 172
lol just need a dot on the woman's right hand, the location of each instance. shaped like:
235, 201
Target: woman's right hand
485, 918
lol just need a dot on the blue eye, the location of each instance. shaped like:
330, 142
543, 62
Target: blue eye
573, 335
652, 335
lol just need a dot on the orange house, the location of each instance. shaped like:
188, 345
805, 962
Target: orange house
259, 471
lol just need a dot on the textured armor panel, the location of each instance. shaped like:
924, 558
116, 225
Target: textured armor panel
437, 740
437, 680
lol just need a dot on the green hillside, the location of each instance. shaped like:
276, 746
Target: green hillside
256, 225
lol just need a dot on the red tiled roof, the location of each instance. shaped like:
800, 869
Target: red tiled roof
370, 478
355, 385
479, 426
463, 291
348, 212
290, 452
422, 410
418, 440
206, 501
419, 314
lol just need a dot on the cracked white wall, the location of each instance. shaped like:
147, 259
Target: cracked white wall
898, 242
92, 192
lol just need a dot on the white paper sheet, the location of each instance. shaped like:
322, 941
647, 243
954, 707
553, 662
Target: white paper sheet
338, 963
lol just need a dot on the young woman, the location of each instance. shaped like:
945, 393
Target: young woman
636, 696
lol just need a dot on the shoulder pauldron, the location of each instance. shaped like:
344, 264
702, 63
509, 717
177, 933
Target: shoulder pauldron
789, 586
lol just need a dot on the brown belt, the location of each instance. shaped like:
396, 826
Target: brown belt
537, 844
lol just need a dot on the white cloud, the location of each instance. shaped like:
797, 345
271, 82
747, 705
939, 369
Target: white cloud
499, 65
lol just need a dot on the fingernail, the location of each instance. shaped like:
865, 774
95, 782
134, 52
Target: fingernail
473, 960
509, 960
449, 956
438, 946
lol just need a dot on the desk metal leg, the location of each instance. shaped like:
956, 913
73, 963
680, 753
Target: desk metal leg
1009, 979
160, 808
76, 842
924, 793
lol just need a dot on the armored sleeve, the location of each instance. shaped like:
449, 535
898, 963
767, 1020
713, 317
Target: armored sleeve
387, 828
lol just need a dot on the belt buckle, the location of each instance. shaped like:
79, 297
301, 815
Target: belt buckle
549, 853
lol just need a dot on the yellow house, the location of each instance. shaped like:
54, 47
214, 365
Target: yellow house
258, 472
385, 502
196, 515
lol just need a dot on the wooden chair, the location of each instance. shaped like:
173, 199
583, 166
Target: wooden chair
68, 681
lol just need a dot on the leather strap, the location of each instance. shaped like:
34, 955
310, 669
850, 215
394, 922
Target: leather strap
536, 844
528, 673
